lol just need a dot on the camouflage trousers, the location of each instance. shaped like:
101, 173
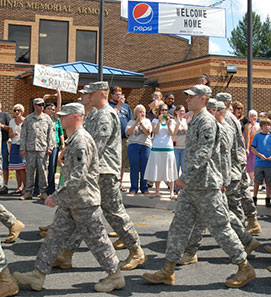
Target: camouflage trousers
196, 236
205, 208
88, 223
234, 200
41, 159
246, 198
3, 259
114, 212
6, 217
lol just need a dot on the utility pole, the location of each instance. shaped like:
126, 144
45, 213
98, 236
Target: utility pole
101, 42
249, 55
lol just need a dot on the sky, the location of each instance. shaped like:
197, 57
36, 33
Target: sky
235, 10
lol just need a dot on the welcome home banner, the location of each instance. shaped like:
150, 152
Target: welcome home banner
172, 18
53, 78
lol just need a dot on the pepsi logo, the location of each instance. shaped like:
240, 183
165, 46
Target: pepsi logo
143, 13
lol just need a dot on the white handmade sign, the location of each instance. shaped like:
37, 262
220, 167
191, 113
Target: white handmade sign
53, 78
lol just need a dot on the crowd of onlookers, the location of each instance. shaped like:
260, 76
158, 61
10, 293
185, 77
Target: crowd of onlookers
153, 144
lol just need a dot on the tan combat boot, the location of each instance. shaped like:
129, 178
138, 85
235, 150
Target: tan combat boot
43, 234
253, 226
14, 231
35, 279
135, 258
251, 246
119, 245
188, 259
113, 234
27, 196
44, 228
8, 285
111, 282
43, 196
244, 275
64, 260
164, 276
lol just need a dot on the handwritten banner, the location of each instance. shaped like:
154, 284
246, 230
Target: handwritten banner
52, 78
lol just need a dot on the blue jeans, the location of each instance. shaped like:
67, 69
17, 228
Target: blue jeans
138, 155
179, 156
51, 171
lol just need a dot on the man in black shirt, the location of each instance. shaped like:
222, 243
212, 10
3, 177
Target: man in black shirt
4, 125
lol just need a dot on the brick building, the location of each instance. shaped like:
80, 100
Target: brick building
53, 31
169, 62
177, 77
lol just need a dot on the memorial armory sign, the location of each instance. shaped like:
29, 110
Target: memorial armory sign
46, 6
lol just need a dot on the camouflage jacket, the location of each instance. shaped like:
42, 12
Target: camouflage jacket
202, 164
80, 175
104, 127
37, 133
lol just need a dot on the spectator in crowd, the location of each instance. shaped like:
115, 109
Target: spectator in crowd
139, 143
238, 111
16, 162
59, 142
261, 147
204, 80
4, 125
251, 129
161, 165
154, 103
117, 101
179, 138
37, 139
169, 100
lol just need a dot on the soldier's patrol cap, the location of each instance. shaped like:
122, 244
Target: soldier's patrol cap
72, 108
220, 105
38, 101
199, 90
225, 97
211, 104
93, 87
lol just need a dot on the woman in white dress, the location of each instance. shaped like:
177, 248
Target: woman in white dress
161, 165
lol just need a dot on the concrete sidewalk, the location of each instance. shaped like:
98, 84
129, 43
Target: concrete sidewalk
165, 203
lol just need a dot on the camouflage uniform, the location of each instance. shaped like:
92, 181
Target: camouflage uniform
104, 126
226, 142
6, 217
3, 259
244, 204
201, 201
79, 209
37, 136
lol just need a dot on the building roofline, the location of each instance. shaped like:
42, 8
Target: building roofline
202, 57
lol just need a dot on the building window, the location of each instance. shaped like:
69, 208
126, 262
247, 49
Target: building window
53, 42
86, 46
22, 35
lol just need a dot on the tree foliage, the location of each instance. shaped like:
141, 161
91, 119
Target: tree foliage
261, 37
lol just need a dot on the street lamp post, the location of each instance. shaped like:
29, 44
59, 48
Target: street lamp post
101, 42
249, 55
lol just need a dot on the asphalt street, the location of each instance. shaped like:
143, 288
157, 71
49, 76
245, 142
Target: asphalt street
152, 220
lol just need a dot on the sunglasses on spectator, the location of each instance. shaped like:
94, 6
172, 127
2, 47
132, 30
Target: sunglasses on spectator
239, 107
15, 110
164, 109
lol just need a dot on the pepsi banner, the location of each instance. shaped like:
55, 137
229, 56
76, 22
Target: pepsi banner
172, 18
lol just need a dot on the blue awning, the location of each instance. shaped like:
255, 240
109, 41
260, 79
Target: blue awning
85, 67
88, 72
